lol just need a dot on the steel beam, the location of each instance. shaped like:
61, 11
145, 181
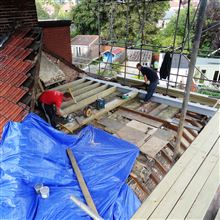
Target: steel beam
194, 107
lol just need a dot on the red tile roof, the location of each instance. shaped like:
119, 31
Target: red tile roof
14, 71
117, 51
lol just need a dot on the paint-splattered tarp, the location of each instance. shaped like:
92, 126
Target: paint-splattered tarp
32, 152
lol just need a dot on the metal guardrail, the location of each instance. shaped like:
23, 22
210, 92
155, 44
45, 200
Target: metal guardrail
176, 84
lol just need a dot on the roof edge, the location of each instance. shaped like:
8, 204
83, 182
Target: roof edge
54, 23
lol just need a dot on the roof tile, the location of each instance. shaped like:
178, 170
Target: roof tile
13, 73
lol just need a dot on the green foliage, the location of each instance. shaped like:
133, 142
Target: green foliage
58, 11
113, 19
85, 17
166, 35
210, 39
214, 94
41, 13
116, 67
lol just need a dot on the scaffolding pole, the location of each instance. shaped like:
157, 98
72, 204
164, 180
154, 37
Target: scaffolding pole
198, 32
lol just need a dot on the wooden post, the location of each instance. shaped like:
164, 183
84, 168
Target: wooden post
81, 181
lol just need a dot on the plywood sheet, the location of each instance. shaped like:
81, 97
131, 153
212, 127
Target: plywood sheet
112, 124
147, 129
153, 146
163, 134
132, 135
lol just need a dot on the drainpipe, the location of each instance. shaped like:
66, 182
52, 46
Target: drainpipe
198, 32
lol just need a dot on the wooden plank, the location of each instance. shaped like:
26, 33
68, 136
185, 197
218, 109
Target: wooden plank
163, 134
192, 190
85, 95
69, 85
88, 101
132, 135
158, 109
152, 202
81, 181
141, 127
79, 86
153, 146
108, 107
140, 118
173, 195
110, 123
77, 92
206, 195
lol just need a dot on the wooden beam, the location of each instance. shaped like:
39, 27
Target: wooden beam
108, 107
69, 85
78, 86
85, 88
81, 181
84, 95
191, 193
165, 123
87, 101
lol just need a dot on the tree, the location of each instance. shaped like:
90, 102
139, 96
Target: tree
210, 40
166, 36
41, 13
113, 19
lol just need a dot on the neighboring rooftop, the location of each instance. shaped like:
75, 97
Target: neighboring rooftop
134, 55
85, 40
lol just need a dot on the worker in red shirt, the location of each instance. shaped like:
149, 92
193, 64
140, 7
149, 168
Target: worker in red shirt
50, 102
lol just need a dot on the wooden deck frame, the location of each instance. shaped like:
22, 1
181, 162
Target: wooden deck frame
109, 106
171, 199
84, 95
83, 103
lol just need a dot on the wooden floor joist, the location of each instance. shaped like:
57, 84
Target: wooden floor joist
69, 85
84, 95
84, 89
79, 86
108, 107
83, 103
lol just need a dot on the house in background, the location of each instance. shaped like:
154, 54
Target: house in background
85, 48
133, 57
115, 54
178, 71
207, 68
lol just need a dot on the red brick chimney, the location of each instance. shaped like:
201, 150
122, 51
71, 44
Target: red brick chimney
56, 38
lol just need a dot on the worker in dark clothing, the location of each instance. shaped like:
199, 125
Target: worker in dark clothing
151, 79
50, 102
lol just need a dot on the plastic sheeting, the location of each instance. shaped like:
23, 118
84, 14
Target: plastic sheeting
33, 152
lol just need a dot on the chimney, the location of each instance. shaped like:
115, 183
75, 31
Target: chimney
56, 38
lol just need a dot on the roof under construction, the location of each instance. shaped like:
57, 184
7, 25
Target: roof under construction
114, 154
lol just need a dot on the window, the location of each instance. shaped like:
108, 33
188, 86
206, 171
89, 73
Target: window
78, 51
216, 76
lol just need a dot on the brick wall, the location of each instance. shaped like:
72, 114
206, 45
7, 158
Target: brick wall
56, 38
14, 13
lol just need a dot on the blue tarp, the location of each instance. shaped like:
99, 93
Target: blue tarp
33, 152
